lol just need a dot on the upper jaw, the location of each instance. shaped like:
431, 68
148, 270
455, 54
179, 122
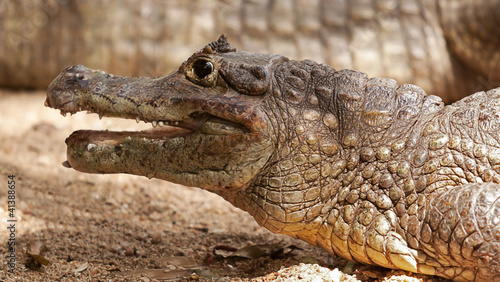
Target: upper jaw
79, 88
168, 100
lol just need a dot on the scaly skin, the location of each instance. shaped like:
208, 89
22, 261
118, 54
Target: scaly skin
367, 169
447, 47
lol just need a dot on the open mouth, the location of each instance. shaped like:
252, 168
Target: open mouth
201, 123
198, 136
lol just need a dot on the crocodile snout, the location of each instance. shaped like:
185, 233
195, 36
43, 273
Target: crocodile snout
64, 92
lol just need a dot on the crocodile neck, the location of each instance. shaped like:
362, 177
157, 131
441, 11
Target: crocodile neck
341, 136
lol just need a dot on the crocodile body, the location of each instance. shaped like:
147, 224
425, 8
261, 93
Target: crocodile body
372, 171
447, 47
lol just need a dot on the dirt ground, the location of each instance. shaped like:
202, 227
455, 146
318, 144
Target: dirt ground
128, 228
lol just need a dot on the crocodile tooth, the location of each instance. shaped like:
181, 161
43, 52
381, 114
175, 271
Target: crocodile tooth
137, 119
154, 123
63, 113
161, 124
176, 123
79, 108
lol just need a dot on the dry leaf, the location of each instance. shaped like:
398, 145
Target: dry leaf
82, 267
35, 258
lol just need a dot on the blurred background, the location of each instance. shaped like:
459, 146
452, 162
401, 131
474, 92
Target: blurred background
404, 40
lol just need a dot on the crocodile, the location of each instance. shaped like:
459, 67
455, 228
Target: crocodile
369, 170
447, 47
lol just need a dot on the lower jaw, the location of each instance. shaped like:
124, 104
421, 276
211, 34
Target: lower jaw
195, 159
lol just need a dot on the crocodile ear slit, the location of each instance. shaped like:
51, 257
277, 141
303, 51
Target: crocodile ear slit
246, 79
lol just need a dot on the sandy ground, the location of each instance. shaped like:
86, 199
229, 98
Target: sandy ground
128, 228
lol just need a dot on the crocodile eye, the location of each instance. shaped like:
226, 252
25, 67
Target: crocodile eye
202, 68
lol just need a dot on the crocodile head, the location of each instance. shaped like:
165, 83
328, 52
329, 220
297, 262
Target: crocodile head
208, 126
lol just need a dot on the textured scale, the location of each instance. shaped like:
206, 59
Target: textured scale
366, 173
370, 170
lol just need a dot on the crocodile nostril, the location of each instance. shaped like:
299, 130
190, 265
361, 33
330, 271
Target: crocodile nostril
76, 70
